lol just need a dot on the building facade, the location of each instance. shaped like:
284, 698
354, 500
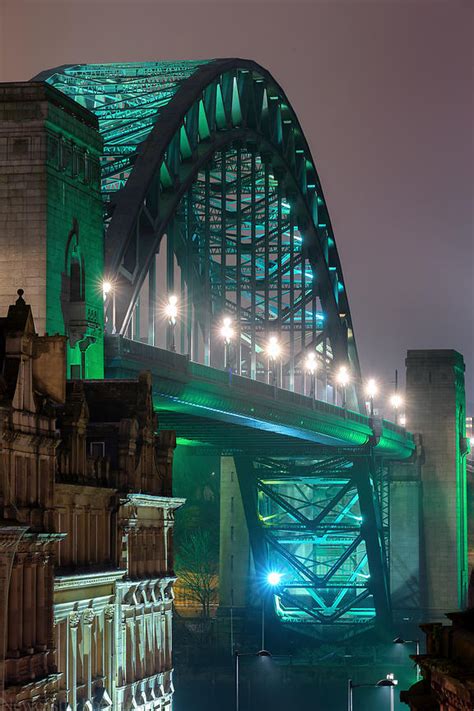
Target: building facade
86, 533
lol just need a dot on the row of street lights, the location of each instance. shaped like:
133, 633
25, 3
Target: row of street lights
273, 352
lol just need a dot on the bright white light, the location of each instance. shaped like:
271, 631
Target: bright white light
343, 376
311, 364
273, 348
396, 401
402, 420
371, 388
106, 288
171, 309
471, 441
227, 332
274, 578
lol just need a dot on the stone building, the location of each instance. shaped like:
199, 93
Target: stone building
447, 667
86, 521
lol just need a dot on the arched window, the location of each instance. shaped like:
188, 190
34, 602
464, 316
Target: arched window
76, 276
74, 265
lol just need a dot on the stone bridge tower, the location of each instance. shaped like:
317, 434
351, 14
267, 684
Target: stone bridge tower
428, 498
51, 219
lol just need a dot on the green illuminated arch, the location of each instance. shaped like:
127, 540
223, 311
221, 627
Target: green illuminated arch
162, 124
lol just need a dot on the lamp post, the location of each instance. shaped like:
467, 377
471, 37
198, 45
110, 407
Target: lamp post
273, 580
311, 366
273, 352
343, 379
416, 642
371, 390
396, 402
261, 653
389, 681
107, 289
171, 311
227, 333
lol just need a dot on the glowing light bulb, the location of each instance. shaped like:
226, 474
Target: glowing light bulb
171, 309
343, 377
371, 388
273, 578
396, 401
311, 364
273, 348
227, 332
106, 288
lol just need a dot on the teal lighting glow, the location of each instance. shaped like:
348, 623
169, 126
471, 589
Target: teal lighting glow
274, 578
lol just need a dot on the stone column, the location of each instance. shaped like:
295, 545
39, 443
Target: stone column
28, 607
41, 634
234, 548
73, 624
87, 622
108, 646
14, 614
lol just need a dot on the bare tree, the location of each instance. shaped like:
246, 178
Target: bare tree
196, 566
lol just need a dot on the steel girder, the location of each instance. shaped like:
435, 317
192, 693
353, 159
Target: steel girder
318, 523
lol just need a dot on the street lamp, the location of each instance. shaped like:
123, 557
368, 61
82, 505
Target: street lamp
371, 390
273, 580
416, 642
171, 313
107, 289
261, 653
389, 681
343, 379
396, 402
273, 352
311, 366
227, 333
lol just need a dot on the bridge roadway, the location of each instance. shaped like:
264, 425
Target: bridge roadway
200, 402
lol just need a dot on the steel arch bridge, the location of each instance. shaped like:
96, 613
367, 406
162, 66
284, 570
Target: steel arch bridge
211, 194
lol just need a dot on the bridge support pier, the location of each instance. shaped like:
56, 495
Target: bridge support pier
428, 495
436, 409
234, 548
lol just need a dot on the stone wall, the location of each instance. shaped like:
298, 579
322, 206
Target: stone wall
50, 208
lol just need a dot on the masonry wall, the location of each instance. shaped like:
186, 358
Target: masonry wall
23, 198
436, 409
50, 205
234, 548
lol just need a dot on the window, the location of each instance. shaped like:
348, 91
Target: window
97, 449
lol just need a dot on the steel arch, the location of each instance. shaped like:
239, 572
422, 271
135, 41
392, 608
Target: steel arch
161, 122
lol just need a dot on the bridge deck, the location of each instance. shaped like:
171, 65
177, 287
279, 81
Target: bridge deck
201, 403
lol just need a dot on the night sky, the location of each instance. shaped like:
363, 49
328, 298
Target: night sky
384, 92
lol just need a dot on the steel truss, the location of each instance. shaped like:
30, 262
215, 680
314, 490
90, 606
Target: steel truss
317, 521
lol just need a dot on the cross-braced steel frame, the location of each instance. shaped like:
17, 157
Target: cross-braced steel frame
211, 195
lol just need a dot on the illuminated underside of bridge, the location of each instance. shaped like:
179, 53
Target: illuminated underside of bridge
211, 194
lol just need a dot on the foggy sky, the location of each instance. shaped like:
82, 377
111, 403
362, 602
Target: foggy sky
384, 93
